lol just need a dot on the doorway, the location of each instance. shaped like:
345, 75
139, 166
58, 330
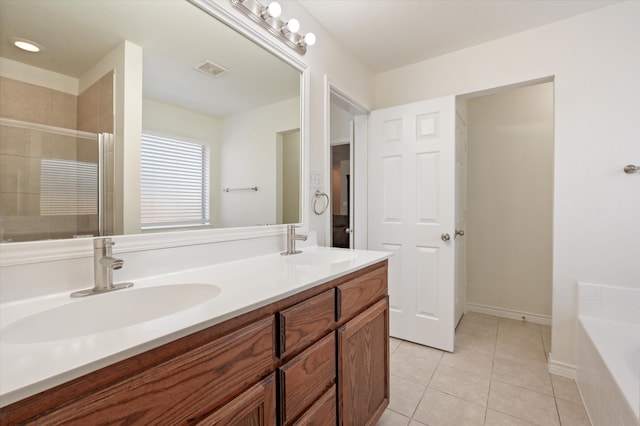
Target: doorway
347, 131
509, 198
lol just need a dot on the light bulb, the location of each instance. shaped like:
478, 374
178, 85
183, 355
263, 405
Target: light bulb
292, 26
309, 39
25, 44
273, 10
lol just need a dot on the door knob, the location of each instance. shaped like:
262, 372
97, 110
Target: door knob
445, 237
348, 230
459, 232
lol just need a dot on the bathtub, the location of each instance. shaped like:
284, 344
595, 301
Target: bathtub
608, 353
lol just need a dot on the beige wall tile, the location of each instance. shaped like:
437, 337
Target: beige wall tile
59, 146
64, 110
19, 174
15, 141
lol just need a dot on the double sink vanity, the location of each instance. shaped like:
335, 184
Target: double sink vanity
273, 340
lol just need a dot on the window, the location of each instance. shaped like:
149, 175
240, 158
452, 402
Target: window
174, 183
68, 187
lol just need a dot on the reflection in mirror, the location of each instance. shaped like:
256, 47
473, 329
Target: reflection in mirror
135, 116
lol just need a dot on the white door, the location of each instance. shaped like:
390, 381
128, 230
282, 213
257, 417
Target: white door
461, 218
411, 213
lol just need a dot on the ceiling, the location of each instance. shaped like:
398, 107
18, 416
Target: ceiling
387, 34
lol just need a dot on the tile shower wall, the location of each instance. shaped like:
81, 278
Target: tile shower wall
22, 149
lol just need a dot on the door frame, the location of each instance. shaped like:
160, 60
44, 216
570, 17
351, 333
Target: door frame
358, 160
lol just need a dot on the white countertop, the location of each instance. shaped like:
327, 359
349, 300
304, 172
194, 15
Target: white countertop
29, 368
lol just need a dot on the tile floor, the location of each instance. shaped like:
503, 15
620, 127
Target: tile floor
496, 376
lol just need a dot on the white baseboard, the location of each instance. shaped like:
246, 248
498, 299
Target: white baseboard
561, 369
509, 313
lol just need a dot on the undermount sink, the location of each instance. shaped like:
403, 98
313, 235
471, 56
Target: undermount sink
321, 257
105, 312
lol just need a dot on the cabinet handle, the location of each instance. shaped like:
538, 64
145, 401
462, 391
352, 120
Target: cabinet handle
338, 300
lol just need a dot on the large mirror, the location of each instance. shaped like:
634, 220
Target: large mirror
141, 116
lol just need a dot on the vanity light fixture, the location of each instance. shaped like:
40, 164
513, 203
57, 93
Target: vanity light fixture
27, 45
269, 18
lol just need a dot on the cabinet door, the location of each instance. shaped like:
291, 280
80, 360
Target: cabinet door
363, 366
306, 377
254, 407
322, 412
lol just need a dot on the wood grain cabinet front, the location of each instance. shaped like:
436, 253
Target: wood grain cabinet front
179, 390
306, 322
306, 377
254, 407
363, 366
322, 413
357, 294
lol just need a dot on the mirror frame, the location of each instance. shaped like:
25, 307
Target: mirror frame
20, 253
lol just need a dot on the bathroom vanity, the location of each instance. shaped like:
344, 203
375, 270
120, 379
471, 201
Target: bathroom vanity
315, 351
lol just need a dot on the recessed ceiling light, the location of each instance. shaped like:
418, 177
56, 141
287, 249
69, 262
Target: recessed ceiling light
28, 45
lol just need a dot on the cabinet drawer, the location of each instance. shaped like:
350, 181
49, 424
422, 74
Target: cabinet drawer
254, 407
306, 377
183, 388
322, 413
306, 322
356, 295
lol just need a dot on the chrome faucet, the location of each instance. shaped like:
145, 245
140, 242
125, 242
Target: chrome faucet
291, 240
103, 265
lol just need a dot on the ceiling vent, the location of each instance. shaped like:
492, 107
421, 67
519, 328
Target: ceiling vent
211, 69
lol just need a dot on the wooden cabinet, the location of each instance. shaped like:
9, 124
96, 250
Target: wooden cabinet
306, 377
306, 322
319, 357
363, 366
254, 407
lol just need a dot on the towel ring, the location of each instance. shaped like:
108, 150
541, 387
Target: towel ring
319, 195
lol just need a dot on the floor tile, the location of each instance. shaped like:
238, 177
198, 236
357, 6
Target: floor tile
484, 344
572, 414
523, 404
495, 418
477, 317
467, 360
416, 423
478, 329
391, 418
404, 395
417, 370
566, 389
522, 375
440, 409
463, 384
420, 351
532, 355
393, 344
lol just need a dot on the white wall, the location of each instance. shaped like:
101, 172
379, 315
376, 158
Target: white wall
167, 120
510, 200
126, 61
248, 152
595, 61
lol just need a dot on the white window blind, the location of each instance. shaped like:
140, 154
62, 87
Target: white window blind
174, 183
68, 187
